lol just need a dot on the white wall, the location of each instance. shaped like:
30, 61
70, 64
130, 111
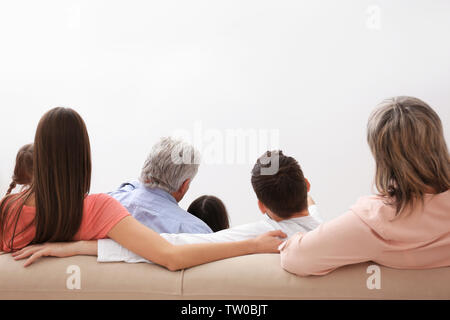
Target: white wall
137, 70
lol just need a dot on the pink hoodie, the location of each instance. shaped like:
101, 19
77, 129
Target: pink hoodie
369, 232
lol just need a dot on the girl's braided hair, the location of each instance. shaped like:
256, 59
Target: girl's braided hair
23, 170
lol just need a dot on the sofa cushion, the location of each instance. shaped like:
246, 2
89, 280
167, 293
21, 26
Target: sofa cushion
263, 278
47, 279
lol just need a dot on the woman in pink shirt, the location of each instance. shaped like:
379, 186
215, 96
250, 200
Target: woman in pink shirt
405, 226
57, 208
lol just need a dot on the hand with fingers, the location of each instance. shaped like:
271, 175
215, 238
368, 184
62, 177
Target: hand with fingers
55, 249
269, 242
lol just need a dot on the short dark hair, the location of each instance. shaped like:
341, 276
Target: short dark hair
284, 192
212, 211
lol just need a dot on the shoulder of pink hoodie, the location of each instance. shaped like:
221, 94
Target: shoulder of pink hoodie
371, 231
426, 221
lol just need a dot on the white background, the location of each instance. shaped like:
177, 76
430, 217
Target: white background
138, 70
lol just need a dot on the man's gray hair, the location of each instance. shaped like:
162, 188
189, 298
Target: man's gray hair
169, 164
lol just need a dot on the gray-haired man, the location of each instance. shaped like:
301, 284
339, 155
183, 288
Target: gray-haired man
165, 178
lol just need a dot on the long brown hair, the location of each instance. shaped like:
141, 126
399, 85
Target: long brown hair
23, 169
61, 180
407, 141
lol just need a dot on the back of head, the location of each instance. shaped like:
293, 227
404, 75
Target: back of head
61, 178
23, 169
283, 191
169, 164
407, 141
212, 211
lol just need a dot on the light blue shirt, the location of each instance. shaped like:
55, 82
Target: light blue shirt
157, 209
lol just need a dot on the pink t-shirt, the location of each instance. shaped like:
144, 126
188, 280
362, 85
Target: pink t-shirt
369, 232
101, 213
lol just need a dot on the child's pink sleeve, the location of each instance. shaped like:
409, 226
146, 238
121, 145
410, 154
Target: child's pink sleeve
341, 241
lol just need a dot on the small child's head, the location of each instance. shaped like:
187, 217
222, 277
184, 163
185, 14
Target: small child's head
23, 170
212, 211
407, 141
283, 191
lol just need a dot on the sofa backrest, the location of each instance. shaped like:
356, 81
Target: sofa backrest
256, 276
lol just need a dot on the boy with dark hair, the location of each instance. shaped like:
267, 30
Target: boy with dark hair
283, 195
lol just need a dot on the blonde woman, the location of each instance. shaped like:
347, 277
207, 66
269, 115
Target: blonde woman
405, 226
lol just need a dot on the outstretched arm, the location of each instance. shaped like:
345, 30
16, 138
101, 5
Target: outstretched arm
110, 251
136, 237
56, 249
143, 241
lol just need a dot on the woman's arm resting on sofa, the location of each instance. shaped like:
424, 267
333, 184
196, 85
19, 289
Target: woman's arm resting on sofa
56, 249
146, 243
110, 251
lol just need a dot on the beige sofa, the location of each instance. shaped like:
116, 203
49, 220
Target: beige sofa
249, 277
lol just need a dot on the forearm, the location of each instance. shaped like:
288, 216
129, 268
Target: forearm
174, 257
148, 244
111, 251
186, 256
56, 249
88, 248
177, 256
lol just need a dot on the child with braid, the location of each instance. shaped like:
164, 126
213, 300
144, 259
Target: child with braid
23, 170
